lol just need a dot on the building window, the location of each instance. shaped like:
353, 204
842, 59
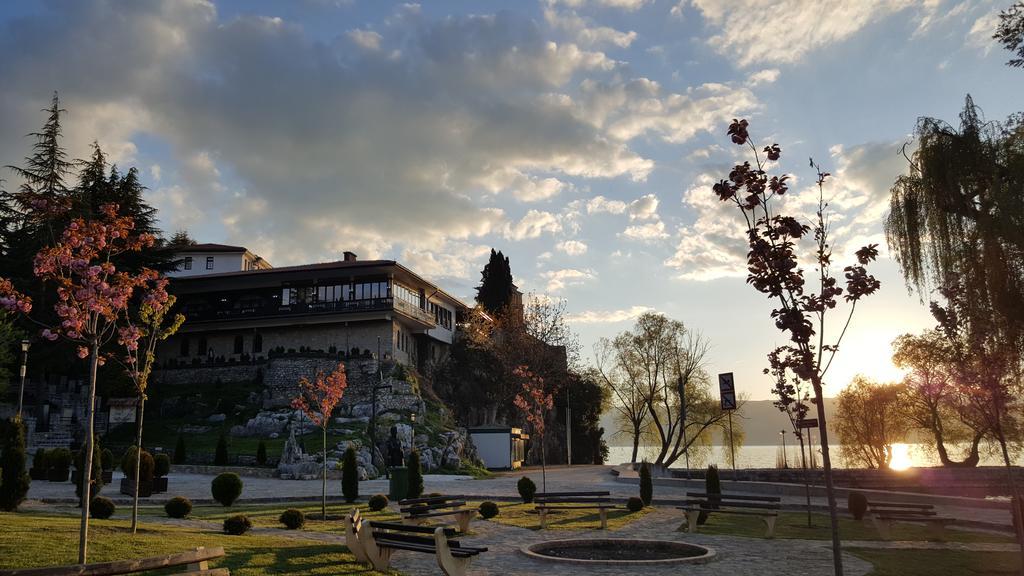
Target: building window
209, 262
188, 262
184, 346
407, 294
257, 343
239, 344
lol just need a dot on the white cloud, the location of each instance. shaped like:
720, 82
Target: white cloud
650, 232
460, 260
766, 76
979, 36
643, 208
585, 32
628, 5
155, 172
366, 39
599, 204
532, 225
786, 31
572, 247
557, 280
677, 9
607, 316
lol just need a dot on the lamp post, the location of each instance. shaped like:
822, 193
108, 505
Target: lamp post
25, 344
785, 457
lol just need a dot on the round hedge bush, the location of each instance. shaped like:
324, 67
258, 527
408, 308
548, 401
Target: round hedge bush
857, 504
146, 465
101, 508
226, 488
161, 465
178, 507
107, 459
378, 502
634, 504
488, 509
292, 519
526, 489
237, 525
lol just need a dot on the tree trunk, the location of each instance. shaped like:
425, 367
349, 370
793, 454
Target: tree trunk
636, 444
138, 458
837, 551
323, 495
90, 410
543, 469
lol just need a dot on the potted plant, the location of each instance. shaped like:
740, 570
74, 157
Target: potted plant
146, 468
58, 463
161, 467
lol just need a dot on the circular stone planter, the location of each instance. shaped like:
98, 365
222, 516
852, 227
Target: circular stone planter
616, 552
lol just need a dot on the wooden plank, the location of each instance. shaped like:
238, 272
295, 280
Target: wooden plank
704, 495
900, 505
429, 500
207, 572
427, 508
562, 494
123, 566
407, 528
572, 507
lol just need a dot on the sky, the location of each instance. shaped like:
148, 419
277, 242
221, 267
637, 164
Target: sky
580, 137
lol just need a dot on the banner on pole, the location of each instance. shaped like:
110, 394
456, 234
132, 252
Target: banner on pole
727, 391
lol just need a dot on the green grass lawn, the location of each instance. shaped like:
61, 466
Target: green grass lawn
939, 562
30, 540
266, 515
794, 525
525, 516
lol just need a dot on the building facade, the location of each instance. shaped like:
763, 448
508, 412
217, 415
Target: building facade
353, 307
203, 259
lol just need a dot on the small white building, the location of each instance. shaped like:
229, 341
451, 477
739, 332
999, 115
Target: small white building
201, 259
500, 447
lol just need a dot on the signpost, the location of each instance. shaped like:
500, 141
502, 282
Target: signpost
727, 397
807, 423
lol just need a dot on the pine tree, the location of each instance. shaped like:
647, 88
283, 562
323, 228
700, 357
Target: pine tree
415, 475
14, 479
261, 453
349, 475
496, 287
646, 484
181, 238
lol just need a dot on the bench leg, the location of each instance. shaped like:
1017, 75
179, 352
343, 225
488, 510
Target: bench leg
379, 557
883, 527
543, 518
604, 519
769, 522
448, 564
352, 540
691, 521
464, 518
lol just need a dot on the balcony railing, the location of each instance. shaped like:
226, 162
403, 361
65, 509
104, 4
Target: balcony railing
347, 306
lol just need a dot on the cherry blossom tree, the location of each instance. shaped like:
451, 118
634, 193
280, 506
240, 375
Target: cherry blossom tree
139, 336
535, 404
317, 399
774, 269
92, 299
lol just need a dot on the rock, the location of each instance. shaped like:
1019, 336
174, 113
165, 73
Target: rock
294, 463
404, 436
217, 418
359, 420
263, 425
275, 435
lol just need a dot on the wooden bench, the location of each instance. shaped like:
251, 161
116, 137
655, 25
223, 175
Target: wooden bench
764, 507
883, 514
381, 539
353, 525
419, 510
573, 501
196, 563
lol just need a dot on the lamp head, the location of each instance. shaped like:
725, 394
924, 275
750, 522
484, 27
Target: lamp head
25, 344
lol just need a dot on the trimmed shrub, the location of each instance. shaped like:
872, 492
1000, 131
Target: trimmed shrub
237, 525
220, 457
378, 502
415, 475
292, 519
96, 478
14, 479
107, 459
161, 465
178, 507
634, 504
40, 464
526, 489
179, 451
713, 488
261, 453
226, 488
646, 484
147, 465
857, 504
488, 509
101, 507
349, 475
59, 463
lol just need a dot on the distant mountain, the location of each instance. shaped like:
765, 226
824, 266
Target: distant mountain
761, 421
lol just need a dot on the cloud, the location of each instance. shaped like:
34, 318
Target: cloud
459, 260
643, 208
599, 204
572, 247
607, 316
766, 76
366, 39
532, 225
585, 32
786, 31
979, 36
557, 280
628, 5
650, 232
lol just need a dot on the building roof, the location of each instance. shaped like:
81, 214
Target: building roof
208, 248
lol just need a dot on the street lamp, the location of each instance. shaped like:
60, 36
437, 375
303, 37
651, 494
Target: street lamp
25, 344
785, 457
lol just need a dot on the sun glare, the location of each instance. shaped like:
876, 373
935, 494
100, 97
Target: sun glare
900, 457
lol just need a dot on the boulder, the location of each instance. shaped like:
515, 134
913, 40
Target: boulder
217, 418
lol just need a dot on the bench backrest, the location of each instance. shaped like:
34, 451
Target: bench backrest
412, 539
908, 505
429, 500
424, 508
569, 494
449, 532
713, 503
123, 566
572, 500
733, 497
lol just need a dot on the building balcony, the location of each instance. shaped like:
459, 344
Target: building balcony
308, 309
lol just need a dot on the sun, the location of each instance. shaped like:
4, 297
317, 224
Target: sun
900, 457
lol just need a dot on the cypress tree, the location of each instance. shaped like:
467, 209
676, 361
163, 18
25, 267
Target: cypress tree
496, 288
350, 475
179, 450
415, 475
713, 489
646, 484
14, 479
220, 458
261, 453
97, 470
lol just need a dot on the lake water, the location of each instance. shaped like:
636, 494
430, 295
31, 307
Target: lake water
906, 455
